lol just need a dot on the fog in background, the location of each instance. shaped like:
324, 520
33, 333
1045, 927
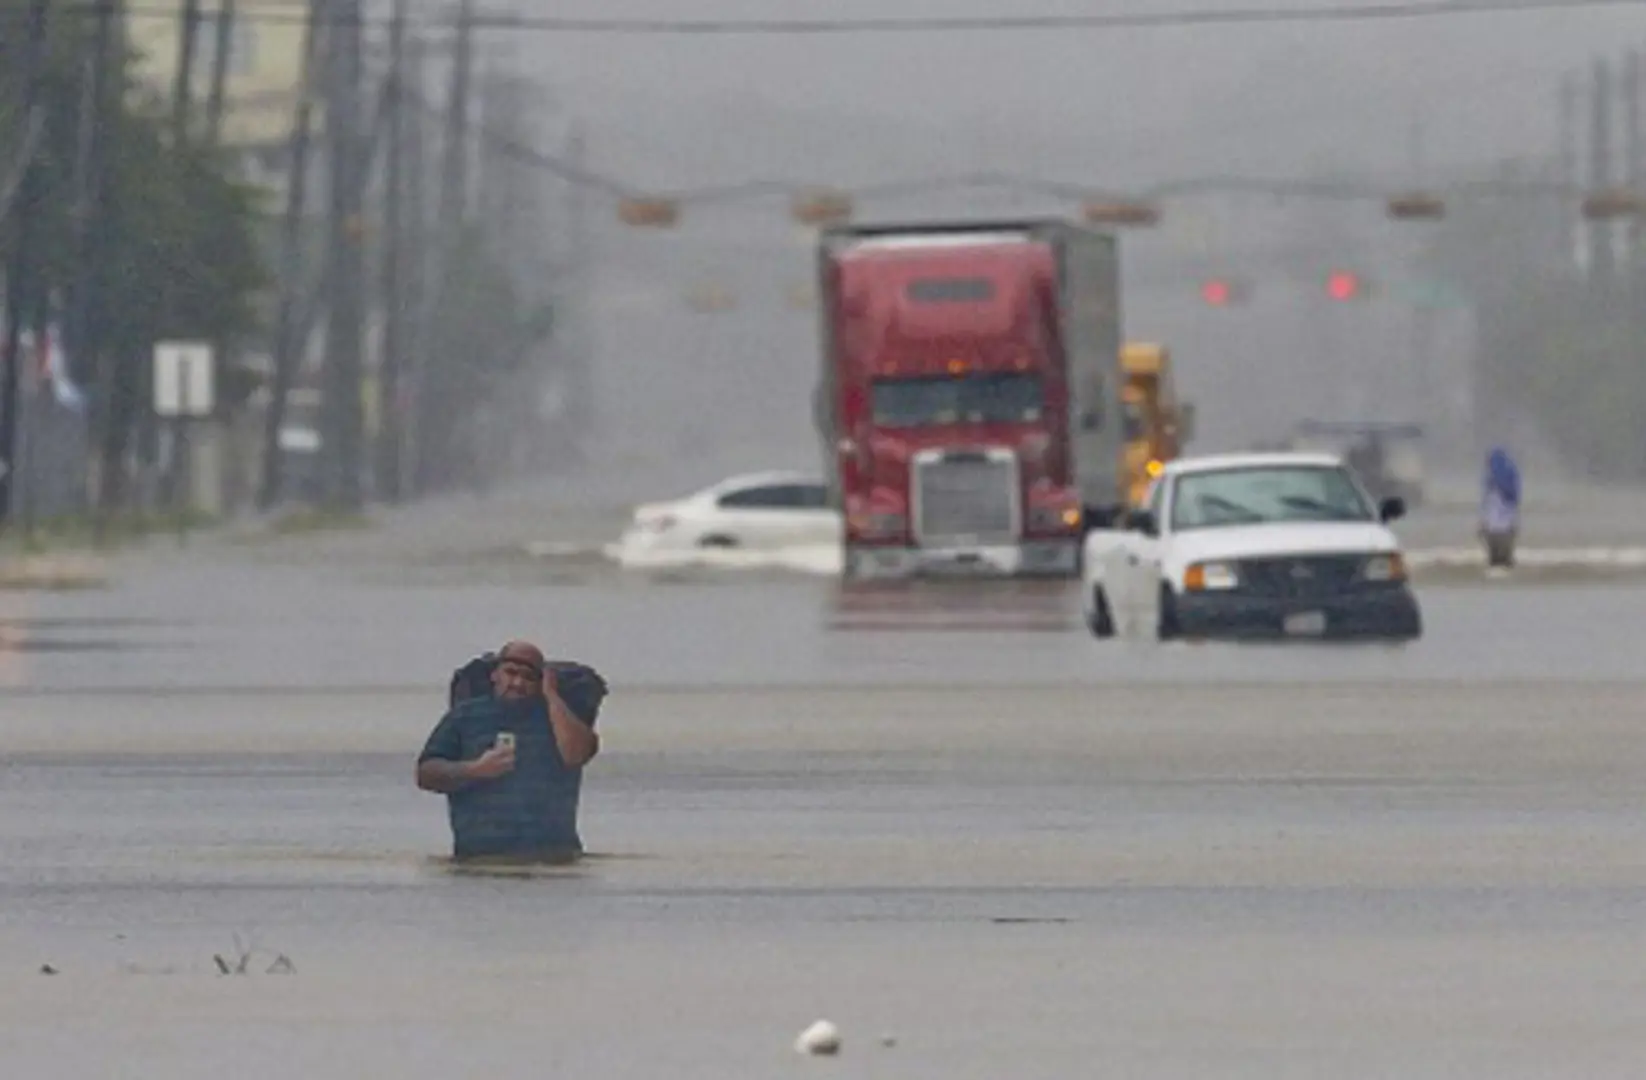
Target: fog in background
1393, 102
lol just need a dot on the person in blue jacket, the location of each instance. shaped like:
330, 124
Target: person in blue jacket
1500, 509
510, 760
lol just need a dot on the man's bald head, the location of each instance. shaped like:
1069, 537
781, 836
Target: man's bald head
519, 671
523, 651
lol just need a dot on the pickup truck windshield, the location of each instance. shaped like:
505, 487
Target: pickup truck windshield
1260, 495
968, 399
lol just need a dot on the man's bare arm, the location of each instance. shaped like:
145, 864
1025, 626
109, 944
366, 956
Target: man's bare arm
577, 741
448, 777
443, 777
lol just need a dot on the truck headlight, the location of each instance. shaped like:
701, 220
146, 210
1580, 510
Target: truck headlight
1054, 518
1210, 577
1384, 568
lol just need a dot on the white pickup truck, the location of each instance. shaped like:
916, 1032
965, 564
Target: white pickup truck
1272, 544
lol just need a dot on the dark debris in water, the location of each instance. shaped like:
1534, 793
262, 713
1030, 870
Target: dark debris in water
47, 969
241, 965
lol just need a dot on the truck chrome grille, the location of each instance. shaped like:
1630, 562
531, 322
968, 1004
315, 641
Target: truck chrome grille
966, 498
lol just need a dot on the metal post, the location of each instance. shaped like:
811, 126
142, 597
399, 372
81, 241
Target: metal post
1572, 234
1602, 264
180, 477
1632, 151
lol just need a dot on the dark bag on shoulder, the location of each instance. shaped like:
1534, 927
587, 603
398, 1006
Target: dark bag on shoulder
580, 686
472, 680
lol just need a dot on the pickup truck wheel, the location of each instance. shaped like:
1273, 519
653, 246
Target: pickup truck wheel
1167, 629
1100, 620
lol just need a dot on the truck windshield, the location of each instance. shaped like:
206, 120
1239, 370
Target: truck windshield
971, 399
1261, 494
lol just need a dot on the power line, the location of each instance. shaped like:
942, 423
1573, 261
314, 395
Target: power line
526, 154
1182, 187
1386, 11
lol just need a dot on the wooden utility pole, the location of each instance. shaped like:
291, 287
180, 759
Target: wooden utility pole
222, 54
433, 422
183, 81
346, 228
289, 338
23, 270
389, 440
415, 257
83, 334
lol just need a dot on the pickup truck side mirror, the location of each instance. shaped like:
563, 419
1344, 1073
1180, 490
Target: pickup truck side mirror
1391, 508
1142, 521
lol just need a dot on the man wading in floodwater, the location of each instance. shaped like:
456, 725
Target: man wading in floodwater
510, 762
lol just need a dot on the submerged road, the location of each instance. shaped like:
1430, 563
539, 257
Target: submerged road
943, 818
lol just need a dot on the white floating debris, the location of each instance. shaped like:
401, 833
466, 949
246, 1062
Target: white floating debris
822, 1038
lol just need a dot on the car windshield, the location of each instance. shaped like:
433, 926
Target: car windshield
971, 399
1258, 495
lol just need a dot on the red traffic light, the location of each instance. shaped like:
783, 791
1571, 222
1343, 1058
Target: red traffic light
1225, 291
1342, 285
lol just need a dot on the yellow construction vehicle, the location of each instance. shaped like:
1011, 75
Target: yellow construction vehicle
1158, 425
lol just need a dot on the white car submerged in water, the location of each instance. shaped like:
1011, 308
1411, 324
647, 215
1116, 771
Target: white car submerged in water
1274, 544
763, 511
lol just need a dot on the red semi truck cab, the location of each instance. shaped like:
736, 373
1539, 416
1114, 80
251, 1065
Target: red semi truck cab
969, 396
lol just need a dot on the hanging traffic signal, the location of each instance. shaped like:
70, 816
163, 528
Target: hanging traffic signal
1122, 213
649, 213
1224, 291
1416, 206
823, 207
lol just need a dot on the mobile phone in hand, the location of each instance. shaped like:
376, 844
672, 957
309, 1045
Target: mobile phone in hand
505, 740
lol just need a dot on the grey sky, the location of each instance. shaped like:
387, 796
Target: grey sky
1132, 103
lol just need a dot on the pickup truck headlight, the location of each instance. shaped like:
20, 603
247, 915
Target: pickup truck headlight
1389, 567
1210, 577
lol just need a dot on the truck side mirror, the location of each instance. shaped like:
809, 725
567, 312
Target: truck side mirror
1142, 521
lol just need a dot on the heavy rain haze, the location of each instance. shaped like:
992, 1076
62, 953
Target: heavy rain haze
342, 353
1394, 103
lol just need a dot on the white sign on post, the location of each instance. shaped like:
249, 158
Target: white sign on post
183, 383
